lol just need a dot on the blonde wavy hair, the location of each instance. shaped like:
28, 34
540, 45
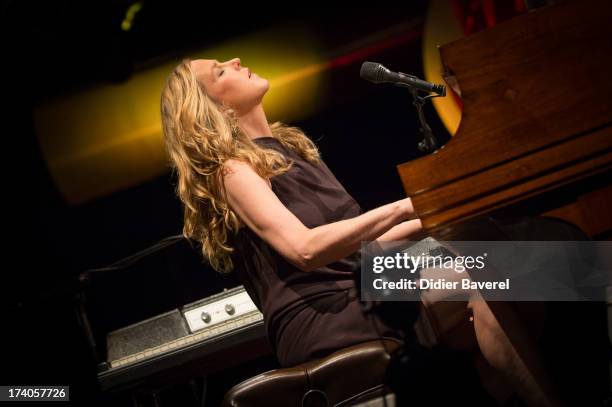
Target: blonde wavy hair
199, 137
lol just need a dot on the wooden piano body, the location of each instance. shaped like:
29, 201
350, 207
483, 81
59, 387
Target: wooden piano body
537, 118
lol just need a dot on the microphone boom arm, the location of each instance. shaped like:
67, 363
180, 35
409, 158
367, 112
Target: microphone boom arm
430, 143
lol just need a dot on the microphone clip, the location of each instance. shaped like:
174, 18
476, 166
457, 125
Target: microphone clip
430, 143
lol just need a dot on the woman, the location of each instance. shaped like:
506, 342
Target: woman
259, 199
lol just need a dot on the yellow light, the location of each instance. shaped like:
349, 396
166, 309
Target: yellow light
107, 138
441, 27
126, 24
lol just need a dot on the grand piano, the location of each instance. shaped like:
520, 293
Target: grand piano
534, 141
536, 126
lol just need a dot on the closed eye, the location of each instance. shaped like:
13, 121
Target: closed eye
221, 72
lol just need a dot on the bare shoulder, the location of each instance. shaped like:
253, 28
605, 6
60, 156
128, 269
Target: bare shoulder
250, 196
241, 172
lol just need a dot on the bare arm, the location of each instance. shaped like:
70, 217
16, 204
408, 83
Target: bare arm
253, 200
407, 230
333, 241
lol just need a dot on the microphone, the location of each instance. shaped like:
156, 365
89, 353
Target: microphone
377, 73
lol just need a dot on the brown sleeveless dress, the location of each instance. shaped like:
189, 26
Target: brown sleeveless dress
307, 315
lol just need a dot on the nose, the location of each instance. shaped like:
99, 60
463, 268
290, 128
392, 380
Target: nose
236, 62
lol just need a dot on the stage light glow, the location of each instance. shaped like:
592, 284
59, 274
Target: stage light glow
126, 24
109, 137
441, 27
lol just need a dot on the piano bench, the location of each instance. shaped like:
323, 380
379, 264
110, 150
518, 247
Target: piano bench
353, 376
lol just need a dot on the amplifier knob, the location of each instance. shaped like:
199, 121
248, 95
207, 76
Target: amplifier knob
229, 308
205, 317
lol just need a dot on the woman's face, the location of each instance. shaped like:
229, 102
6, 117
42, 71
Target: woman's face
229, 84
